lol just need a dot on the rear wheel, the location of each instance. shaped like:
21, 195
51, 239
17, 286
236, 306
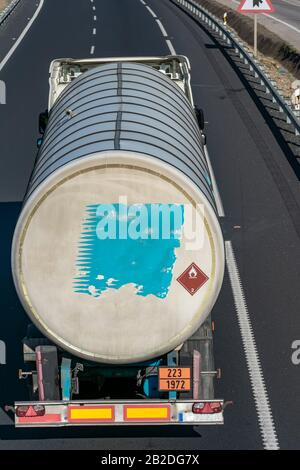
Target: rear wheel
200, 117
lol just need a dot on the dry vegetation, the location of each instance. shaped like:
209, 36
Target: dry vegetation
3, 4
280, 59
279, 74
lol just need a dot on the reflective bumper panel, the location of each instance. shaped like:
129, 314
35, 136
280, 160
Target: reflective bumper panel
78, 413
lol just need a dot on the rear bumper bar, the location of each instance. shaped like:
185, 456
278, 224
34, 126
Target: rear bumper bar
116, 412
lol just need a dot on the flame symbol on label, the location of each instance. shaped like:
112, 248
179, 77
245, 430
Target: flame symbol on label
192, 273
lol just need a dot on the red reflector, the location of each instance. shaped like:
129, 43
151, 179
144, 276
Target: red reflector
50, 419
207, 407
30, 411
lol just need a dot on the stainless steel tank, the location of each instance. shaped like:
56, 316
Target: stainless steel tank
118, 254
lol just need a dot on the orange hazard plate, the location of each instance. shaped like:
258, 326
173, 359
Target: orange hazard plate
174, 378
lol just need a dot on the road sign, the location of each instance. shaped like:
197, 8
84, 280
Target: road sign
192, 279
256, 6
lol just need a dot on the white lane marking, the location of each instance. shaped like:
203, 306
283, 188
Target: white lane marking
151, 12
164, 32
283, 22
95, 18
94, 31
170, 46
94, 8
22, 35
272, 17
161, 27
92, 50
219, 204
261, 399
144, 3
263, 408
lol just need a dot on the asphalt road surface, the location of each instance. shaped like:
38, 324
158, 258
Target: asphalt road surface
261, 200
288, 11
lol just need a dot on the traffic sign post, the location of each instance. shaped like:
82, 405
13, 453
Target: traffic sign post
255, 6
255, 35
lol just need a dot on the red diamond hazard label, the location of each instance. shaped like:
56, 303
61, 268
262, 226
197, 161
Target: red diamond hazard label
192, 279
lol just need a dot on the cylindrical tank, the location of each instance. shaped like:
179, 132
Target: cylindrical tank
118, 255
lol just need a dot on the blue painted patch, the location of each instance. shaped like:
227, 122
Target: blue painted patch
117, 249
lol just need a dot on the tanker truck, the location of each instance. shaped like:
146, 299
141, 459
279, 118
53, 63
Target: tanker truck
118, 255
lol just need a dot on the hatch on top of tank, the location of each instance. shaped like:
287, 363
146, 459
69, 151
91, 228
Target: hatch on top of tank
64, 71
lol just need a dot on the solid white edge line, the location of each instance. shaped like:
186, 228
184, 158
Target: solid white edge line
263, 409
219, 204
21, 37
283, 22
164, 32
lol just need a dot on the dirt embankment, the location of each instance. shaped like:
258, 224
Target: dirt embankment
269, 43
3, 4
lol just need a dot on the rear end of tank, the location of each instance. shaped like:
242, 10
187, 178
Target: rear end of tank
176, 387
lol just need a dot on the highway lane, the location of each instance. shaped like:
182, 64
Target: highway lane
12, 28
266, 244
257, 188
288, 11
26, 78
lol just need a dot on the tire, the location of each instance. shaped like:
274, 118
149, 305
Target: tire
200, 117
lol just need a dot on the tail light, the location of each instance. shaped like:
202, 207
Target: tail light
216, 407
30, 411
207, 407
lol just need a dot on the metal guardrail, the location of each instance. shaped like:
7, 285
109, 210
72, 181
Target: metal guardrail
204, 16
8, 10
